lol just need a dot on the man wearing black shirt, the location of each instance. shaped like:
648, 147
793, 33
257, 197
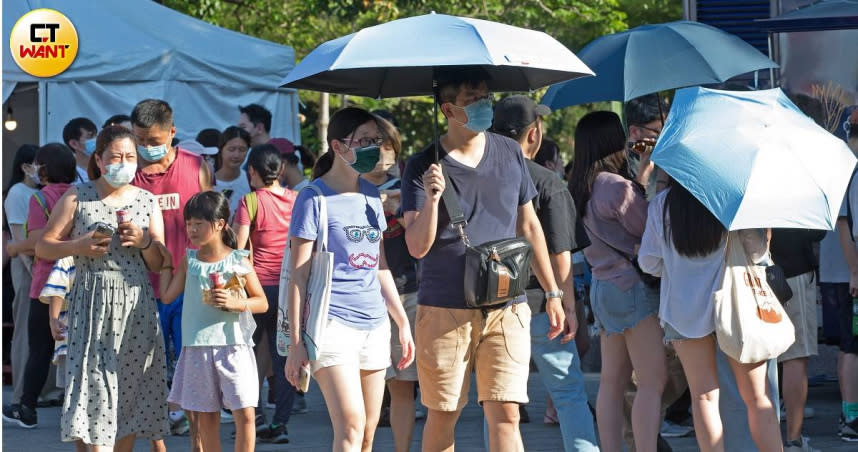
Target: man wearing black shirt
519, 118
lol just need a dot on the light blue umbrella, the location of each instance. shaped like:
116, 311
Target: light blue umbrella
399, 58
657, 57
754, 159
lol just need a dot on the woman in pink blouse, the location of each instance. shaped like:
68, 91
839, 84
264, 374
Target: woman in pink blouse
614, 208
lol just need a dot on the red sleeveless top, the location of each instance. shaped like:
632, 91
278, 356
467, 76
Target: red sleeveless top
173, 188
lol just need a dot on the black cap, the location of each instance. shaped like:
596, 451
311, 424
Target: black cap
514, 113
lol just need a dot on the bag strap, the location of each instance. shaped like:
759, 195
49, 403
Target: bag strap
322, 239
393, 181
252, 203
43, 203
454, 209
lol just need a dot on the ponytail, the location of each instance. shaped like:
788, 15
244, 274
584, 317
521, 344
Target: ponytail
227, 235
323, 165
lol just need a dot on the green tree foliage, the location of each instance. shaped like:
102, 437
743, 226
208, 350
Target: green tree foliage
304, 24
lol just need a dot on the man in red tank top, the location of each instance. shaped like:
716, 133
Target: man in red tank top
173, 175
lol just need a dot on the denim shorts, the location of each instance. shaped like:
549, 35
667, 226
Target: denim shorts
670, 334
617, 310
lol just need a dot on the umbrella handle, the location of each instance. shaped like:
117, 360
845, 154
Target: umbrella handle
435, 117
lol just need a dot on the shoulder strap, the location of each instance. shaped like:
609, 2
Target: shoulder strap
454, 209
252, 203
43, 202
393, 181
849, 219
322, 239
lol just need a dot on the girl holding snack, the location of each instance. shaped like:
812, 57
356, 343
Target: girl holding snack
216, 368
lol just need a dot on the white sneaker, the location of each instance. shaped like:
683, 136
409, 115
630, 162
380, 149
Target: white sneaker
671, 430
799, 446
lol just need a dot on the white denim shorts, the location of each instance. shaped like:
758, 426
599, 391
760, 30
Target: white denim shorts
347, 346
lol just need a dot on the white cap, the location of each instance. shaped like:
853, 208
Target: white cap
195, 147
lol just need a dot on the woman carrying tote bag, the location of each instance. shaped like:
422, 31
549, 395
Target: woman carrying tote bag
687, 247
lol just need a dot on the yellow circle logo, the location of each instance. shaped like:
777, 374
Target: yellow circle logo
43, 42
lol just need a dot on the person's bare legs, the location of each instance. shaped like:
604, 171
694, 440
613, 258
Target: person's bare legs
245, 428
795, 395
401, 413
698, 361
502, 419
439, 432
762, 421
125, 444
80, 446
616, 374
645, 343
208, 430
341, 387
372, 389
157, 445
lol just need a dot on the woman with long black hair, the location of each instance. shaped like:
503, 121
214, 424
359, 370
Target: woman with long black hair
614, 209
685, 245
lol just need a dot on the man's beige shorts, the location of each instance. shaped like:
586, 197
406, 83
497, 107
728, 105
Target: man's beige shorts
801, 309
451, 343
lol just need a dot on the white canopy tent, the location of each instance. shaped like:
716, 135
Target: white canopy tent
131, 50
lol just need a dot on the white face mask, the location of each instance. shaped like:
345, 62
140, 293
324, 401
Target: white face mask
34, 174
120, 174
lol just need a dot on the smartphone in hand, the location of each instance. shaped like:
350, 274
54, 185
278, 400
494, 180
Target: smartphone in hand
103, 230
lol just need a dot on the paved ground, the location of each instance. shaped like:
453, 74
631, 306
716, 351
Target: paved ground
312, 431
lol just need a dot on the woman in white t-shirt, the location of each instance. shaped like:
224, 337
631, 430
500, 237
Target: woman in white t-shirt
685, 245
230, 179
16, 200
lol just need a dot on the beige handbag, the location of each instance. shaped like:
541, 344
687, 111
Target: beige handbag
750, 323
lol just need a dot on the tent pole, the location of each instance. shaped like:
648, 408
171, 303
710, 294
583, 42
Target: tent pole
43, 113
771, 57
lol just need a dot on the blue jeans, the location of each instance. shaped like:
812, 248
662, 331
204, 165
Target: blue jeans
734, 415
560, 370
284, 392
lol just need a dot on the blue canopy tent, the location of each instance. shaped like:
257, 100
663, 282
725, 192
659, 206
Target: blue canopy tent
137, 49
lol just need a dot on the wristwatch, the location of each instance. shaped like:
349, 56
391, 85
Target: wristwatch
554, 294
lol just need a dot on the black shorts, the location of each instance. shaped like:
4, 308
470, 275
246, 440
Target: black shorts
838, 293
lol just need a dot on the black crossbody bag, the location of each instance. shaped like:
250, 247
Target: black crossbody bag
495, 271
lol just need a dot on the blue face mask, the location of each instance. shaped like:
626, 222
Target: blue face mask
152, 153
480, 115
120, 174
89, 146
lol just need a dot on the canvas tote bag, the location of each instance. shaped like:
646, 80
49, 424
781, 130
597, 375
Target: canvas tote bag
318, 297
750, 323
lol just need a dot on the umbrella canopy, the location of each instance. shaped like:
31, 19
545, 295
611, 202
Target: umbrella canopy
653, 58
826, 15
398, 58
754, 159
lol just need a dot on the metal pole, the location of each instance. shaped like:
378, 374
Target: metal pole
771, 57
435, 119
324, 119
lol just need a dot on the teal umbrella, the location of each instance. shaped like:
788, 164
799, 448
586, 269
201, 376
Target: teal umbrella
754, 159
653, 58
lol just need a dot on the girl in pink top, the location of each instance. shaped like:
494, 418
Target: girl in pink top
614, 209
56, 169
267, 231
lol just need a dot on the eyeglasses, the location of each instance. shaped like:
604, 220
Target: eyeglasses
357, 233
367, 141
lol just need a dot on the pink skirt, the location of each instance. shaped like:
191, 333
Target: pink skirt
210, 378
